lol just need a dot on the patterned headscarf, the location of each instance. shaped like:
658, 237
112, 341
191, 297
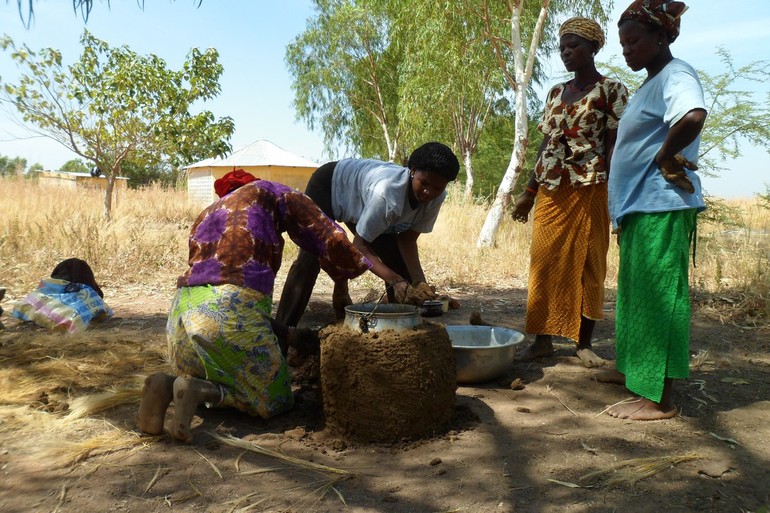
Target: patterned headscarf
660, 13
231, 181
585, 28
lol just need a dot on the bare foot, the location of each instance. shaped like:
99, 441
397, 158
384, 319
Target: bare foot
157, 393
538, 349
642, 409
590, 359
611, 376
189, 393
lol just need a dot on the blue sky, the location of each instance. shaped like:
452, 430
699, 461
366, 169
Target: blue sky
251, 38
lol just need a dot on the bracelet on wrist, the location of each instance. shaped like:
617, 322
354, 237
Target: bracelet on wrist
531, 191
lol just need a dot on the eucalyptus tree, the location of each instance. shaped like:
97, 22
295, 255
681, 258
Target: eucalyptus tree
521, 31
449, 79
113, 105
345, 77
27, 8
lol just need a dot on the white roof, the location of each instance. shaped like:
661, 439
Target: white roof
258, 153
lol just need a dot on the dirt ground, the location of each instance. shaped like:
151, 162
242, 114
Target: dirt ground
506, 450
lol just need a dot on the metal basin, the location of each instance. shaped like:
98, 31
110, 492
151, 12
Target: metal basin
483, 352
366, 317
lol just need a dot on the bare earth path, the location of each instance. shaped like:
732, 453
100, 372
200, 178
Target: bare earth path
506, 451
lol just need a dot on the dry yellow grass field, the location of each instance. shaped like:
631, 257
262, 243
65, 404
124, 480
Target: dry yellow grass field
146, 243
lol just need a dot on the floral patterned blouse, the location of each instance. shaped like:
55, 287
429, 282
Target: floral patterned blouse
237, 239
577, 132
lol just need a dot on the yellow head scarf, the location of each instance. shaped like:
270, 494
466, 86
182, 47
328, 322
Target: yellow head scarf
585, 28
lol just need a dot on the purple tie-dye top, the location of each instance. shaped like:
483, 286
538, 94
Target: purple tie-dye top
237, 240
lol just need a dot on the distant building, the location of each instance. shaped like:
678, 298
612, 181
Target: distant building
261, 158
80, 181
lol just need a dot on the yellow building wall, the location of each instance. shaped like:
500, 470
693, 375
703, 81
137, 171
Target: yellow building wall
200, 181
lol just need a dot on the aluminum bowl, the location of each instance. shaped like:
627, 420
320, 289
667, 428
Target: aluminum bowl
483, 352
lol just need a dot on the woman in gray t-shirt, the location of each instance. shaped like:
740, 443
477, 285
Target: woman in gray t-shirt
386, 207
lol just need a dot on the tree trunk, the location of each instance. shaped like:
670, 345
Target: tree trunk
108, 196
467, 161
503, 197
523, 75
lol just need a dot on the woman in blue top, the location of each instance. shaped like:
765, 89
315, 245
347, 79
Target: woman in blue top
387, 207
654, 197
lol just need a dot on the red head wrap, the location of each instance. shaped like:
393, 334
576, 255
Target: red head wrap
660, 13
231, 181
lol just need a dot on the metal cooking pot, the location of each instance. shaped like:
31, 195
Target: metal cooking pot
366, 317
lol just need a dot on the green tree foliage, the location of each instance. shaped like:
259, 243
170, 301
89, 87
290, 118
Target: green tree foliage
113, 105
345, 78
736, 116
12, 166
494, 151
449, 80
764, 199
75, 166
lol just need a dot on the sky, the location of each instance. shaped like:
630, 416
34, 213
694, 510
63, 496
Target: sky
252, 36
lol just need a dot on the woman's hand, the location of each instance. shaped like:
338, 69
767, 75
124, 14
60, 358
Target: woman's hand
399, 290
673, 170
522, 207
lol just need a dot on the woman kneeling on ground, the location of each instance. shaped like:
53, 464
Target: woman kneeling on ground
224, 348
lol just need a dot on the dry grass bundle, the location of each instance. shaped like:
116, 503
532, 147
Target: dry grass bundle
54, 442
60, 452
291, 460
634, 470
36, 363
315, 490
43, 376
89, 404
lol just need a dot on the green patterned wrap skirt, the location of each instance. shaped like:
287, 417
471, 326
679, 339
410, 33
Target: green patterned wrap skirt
653, 306
222, 334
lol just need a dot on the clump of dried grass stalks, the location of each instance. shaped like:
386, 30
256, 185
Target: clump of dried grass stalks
54, 386
316, 489
631, 471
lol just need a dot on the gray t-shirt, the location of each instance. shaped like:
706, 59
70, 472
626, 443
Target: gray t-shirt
374, 195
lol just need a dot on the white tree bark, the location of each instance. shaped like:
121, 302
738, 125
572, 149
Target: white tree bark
468, 162
523, 75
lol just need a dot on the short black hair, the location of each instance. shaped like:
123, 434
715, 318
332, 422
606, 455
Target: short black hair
435, 157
